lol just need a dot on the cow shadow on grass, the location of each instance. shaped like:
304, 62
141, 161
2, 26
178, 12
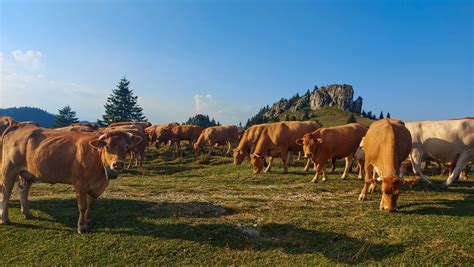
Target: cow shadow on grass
141, 218
446, 207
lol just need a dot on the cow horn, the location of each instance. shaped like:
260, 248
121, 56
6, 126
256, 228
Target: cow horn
102, 137
379, 179
130, 135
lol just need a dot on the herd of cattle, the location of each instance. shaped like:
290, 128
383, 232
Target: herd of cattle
87, 157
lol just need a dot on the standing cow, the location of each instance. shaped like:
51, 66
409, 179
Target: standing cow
218, 135
448, 141
333, 143
386, 145
85, 160
277, 139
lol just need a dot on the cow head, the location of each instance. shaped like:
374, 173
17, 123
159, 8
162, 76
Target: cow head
239, 156
114, 146
310, 143
164, 135
258, 163
390, 192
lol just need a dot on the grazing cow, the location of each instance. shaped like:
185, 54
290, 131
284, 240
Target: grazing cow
247, 142
333, 143
386, 145
442, 141
137, 152
76, 128
153, 130
177, 134
144, 124
5, 122
277, 139
85, 160
218, 135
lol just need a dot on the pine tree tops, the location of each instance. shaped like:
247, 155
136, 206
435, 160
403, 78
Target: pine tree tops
122, 105
65, 117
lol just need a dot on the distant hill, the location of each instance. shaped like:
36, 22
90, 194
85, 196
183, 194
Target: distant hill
44, 118
330, 105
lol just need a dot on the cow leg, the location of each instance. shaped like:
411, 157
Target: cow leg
90, 200
323, 170
461, 163
360, 168
289, 159
416, 157
368, 180
333, 165
346, 169
82, 204
269, 166
316, 175
24, 190
229, 148
131, 160
299, 156
308, 162
284, 158
7, 187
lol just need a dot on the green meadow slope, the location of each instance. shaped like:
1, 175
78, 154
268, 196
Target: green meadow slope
206, 211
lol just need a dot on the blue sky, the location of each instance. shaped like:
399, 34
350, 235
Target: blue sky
229, 58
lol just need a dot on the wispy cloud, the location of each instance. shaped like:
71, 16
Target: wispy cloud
227, 113
29, 59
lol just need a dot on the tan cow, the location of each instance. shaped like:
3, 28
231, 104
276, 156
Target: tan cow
277, 139
218, 136
386, 145
5, 122
442, 141
85, 160
153, 131
177, 134
247, 142
76, 128
137, 152
144, 124
333, 143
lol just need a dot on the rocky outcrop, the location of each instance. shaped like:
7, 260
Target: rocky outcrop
335, 95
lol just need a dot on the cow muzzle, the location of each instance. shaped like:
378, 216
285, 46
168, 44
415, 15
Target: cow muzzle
117, 165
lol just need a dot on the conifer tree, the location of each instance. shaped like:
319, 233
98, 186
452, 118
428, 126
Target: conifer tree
122, 105
65, 117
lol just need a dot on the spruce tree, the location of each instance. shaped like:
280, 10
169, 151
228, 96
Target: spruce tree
351, 119
122, 105
388, 115
381, 115
65, 117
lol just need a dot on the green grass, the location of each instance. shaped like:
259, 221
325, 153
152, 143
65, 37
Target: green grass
191, 211
328, 116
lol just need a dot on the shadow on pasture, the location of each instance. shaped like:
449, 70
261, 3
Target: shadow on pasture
141, 218
458, 208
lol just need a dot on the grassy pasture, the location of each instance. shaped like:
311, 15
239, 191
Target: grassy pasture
198, 210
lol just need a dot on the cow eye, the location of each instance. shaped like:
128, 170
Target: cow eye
107, 147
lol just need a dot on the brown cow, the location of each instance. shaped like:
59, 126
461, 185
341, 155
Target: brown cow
277, 139
85, 160
331, 143
76, 128
247, 142
5, 122
218, 135
386, 145
153, 130
144, 124
137, 152
88, 124
177, 134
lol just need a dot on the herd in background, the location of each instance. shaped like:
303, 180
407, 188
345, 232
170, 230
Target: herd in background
88, 157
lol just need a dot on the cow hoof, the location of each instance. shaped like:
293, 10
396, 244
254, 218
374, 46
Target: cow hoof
29, 216
362, 197
314, 181
343, 178
82, 229
359, 177
324, 180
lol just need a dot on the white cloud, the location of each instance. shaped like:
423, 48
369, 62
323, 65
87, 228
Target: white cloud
203, 102
29, 59
1, 58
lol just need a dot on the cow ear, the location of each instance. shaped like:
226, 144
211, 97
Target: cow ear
299, 141
134, 140
320, 140
255, 155
97, 143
